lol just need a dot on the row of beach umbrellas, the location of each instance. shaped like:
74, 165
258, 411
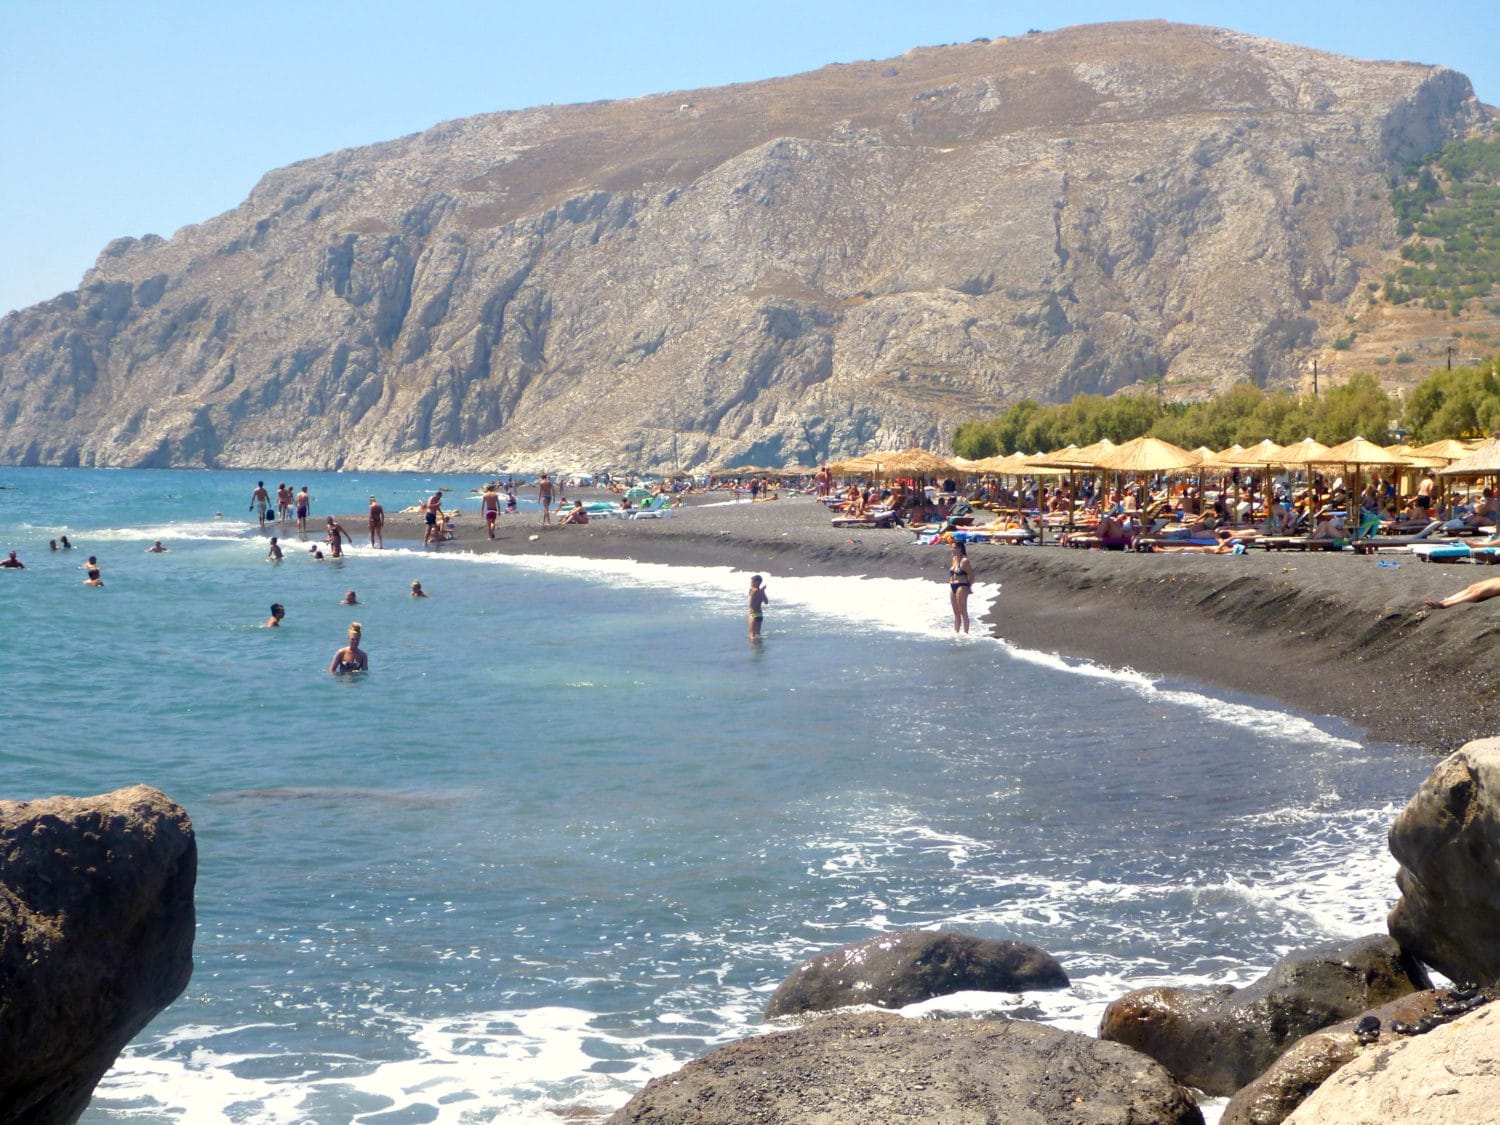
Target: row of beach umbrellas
1153, 455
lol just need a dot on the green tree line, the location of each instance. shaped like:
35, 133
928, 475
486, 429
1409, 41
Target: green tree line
1464, 402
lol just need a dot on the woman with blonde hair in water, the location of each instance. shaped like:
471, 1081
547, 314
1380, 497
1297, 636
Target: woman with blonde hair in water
351, 658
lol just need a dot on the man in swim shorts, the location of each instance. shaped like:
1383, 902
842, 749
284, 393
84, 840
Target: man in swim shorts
489, 503
758, 602
544, 497
377, 523
260, 500
304, 501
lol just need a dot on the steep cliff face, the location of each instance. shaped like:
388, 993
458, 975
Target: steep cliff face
790, 268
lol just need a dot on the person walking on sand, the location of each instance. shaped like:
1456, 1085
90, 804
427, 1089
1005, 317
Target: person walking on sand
377, 524
304, 501
758, 603
544, 497
432, 512
283, 502
489, 503
260, 500
960, 582
1478, 592
351, 658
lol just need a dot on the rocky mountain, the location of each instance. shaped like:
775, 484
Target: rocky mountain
793, 268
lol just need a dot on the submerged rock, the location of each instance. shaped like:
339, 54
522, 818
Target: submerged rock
891, 970
96, 937
1220, 1039
873, 1067
1447, 841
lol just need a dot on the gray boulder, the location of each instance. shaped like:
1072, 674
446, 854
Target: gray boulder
1220, 1039
96, 937
873, 1068
1308, 1063
1447, 841
890, 970
1450, 1076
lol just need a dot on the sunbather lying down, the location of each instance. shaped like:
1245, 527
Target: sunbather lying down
1478, 592
1228, 544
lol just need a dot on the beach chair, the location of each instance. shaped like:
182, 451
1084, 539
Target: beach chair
656, 509
886, 518
1372, 543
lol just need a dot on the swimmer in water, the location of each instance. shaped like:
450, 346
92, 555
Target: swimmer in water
156, 549
351, 598
351, 658
93, 579
274, 554
417, 591
278, 611
66, 546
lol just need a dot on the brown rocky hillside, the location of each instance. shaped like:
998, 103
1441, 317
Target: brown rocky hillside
783, 269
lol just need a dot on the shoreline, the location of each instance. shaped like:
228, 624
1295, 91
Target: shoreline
1325, 634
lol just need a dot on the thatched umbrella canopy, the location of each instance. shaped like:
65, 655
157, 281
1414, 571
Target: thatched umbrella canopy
1150, 455
1263, 452
1444, 449
1065, 458
863, 464
1301, 452
1360, 454
1481, 462
1225, 458
917, 462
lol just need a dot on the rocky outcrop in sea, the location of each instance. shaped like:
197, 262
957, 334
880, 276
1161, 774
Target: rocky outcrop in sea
96, 937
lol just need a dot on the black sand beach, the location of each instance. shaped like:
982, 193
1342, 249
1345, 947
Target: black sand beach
1331, 634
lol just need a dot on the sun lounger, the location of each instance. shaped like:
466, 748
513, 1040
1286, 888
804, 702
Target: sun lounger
654, 510
1297, 543
1454, 553
869, 519
1372, 543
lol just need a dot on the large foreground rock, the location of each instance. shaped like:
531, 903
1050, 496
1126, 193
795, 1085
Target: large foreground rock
96, 937
891, 970
1450, 1075
1220, 1039
1447, 841
1292, 1078
873, 1068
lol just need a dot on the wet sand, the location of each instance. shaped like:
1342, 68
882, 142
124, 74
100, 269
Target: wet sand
1323, 633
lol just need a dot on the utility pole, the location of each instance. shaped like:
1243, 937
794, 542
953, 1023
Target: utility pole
1450, 357
1315, 376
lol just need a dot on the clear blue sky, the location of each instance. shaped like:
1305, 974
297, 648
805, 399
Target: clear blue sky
132, 118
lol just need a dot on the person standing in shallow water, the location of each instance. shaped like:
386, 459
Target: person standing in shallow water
377, 523
260, 500
758, 603
351, 658
960, 582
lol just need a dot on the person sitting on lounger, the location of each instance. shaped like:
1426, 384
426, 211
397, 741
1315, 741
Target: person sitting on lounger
1484, 511
1477, 592
1325, 528
576, 515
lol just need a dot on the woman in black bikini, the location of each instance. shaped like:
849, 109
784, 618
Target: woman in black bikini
960, 582
350, 658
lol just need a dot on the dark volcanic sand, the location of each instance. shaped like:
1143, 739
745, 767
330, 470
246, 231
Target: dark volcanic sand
1324, 633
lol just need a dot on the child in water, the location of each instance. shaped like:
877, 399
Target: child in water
758, 602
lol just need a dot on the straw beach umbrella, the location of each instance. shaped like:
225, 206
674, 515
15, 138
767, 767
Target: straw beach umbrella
1359, 453
1149, 455
916, 462
1481, 462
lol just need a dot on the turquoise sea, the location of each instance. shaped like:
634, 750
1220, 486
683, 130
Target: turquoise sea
572, 830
